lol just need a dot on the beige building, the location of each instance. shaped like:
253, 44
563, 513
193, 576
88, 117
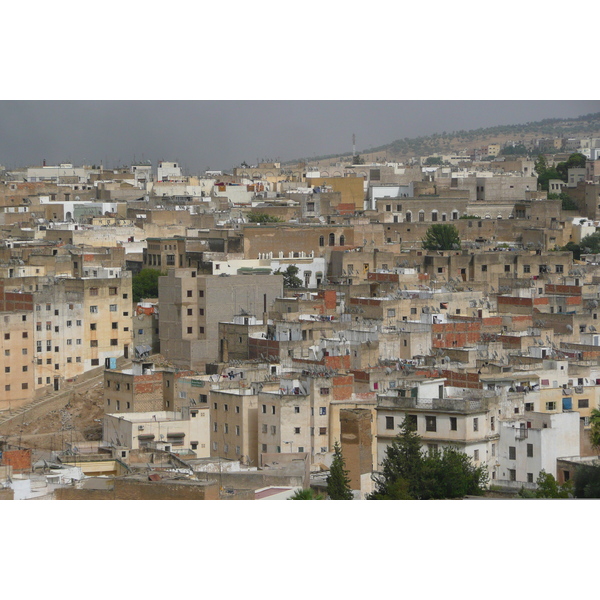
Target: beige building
184, 431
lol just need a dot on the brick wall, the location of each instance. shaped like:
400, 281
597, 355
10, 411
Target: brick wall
19, 460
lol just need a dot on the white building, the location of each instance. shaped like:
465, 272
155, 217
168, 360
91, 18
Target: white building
527, 446
164, 430
168, 171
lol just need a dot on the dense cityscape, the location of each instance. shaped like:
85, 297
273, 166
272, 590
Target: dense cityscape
417, 321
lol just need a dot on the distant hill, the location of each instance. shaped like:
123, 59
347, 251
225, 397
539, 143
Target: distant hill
457, 141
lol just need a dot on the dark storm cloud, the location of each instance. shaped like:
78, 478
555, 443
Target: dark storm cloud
221, 134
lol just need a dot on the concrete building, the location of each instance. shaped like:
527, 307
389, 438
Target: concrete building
188, 430
193, 304
525, 447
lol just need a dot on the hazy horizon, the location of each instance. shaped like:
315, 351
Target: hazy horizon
220, 134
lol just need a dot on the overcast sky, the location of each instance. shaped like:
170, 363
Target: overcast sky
221, 134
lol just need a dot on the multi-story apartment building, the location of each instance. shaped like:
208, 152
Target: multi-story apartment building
193, 305
297, 418
465, 420
16, 349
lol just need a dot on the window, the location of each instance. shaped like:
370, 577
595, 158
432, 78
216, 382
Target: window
215, 427
493, 449
78, 323
113, 308
264, 447
93, 326
512, 453
237, 430
114, 342
412, 421
189, 293
112, 291
94, 291
296, 430
512, 474
322, 430
389, 422
24, 386
476, 455
273, 429
475, 424
528, 406
483, 268
265, 428
324, 391
296, 409
530, 450
529, 477
430, 424
190, 312
78, 342
93, 309
93, 343
550, 405
453, 424
323, 410
583, 403
391, 312
272, 410
264, 409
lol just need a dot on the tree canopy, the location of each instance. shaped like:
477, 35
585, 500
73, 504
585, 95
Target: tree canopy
441, 237
560, 171
263, 218
338, 482
407, 473
587, 481
290, 277
548, 487
145, 284
306, 494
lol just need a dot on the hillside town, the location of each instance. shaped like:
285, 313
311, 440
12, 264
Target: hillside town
241, 334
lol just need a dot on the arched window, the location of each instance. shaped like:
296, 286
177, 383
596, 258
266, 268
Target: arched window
332, 239
342, 240
455, 215
421, 215
408, 216
434, 215
321, 241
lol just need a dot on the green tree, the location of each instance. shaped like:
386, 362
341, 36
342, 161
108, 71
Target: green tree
290, 277
574, 248
306, 494
548, 487
263, 218
590, 244
587, 481
433, 160
595, 428
145, 284
338, 482
449, 473
441, 237
401, 467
